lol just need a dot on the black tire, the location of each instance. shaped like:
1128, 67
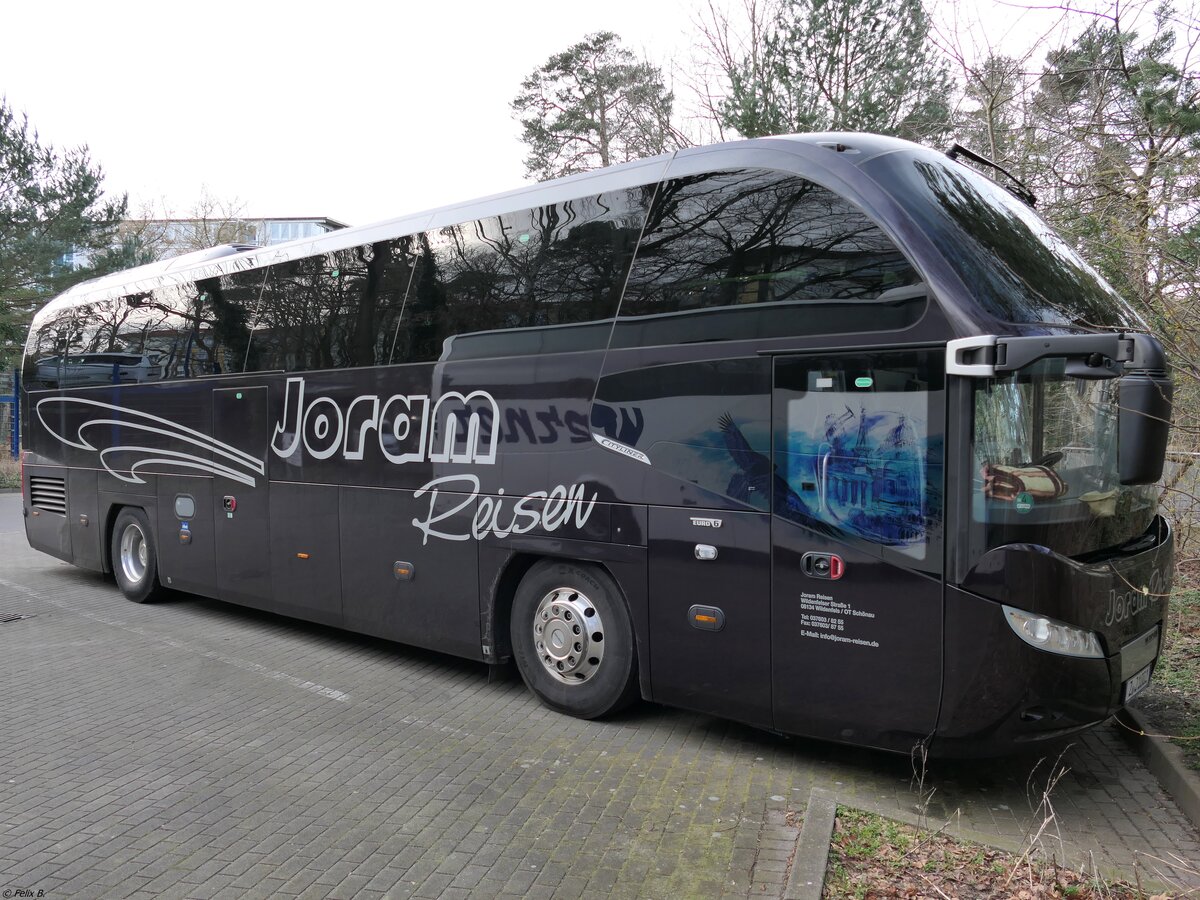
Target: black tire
135, 556
572, 639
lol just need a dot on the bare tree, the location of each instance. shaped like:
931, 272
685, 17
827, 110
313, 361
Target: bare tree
1107, 133
158, 231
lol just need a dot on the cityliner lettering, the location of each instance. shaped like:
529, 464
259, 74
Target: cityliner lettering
454, 428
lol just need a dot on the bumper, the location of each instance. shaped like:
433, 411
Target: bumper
1000, 694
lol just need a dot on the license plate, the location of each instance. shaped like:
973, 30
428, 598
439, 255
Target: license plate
1137, 684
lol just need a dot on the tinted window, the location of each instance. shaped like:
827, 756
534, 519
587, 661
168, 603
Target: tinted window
114, 326
1014, 264
113, 341
47, 351
292, 323
122, 329
377, 279
221, 313
331, 311
179, 346
755, 254
542, 280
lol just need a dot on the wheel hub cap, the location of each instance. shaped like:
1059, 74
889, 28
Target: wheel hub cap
134, 554
568, 635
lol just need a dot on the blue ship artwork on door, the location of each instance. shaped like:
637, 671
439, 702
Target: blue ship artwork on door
859, 469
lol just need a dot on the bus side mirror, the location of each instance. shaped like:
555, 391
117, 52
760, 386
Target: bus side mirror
1143, 425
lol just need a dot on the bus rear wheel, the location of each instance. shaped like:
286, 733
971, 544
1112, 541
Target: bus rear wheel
134, 557
572, 639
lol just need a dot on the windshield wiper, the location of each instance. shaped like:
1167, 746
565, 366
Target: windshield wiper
1017, 189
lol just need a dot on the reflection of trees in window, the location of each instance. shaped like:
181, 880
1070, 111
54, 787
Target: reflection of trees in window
730, 238
121, 325
381, 275
548, 266
333, 310
174, 336
45, 354
220, 340
1017, 266
291, 322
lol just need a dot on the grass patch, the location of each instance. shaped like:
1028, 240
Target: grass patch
872, 858
1171, 704
10, 472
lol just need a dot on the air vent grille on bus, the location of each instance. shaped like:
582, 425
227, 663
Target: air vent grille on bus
48, 493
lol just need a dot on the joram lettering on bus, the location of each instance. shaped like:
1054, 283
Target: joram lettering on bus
1127, 604
409, 428
405, 426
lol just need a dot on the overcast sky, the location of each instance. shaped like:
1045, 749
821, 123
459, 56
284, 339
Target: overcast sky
352, 110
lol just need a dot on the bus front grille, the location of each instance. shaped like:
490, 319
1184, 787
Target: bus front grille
48, 493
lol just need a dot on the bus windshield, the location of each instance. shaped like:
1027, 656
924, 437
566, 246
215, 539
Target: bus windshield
1045, 460
1017, 267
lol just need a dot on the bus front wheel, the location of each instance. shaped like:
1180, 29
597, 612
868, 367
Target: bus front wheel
134, 559
572, 639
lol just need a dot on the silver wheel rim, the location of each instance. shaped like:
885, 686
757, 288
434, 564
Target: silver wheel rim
568, 635
134, 553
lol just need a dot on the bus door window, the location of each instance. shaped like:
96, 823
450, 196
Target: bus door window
859, 451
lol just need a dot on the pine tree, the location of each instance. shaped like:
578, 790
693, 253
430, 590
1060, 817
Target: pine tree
52, 204
841, 65
593, 105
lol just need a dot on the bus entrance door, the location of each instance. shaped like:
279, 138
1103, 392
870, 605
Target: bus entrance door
856, 599
241, 511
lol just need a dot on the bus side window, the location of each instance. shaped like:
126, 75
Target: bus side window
751, 254
137, 335
541, 280
283, 304
173, 336
375, 279
222, 318
330, 311
46, 352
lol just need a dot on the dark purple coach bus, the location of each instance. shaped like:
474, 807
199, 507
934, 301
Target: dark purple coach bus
828, 434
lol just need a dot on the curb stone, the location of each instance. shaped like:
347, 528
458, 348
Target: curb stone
1165, 762
807, 878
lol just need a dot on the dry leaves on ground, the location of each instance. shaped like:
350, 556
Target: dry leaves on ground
872, 858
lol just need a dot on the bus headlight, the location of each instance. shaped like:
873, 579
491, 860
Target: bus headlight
1051, 635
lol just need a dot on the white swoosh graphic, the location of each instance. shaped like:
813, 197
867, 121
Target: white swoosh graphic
133, 420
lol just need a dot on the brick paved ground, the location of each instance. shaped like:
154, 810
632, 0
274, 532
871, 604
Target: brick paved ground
195, 749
